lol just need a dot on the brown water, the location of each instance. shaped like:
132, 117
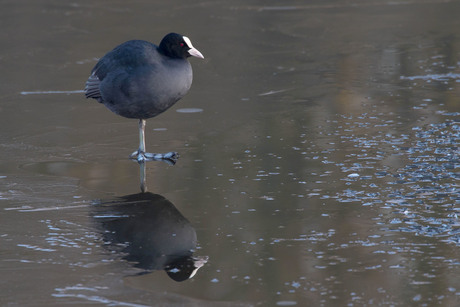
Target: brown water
319, 157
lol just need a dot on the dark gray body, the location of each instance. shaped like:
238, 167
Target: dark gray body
136, 80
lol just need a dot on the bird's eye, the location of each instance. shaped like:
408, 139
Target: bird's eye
182, 44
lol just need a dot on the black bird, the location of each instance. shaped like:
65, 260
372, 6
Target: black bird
140, 80
150, 233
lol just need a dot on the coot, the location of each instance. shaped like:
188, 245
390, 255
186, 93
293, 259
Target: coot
140, 80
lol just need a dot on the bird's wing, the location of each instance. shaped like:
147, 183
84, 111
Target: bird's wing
92, 87
127, 56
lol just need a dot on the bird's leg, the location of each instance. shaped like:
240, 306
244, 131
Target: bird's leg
141, 136
140, 155
142, 176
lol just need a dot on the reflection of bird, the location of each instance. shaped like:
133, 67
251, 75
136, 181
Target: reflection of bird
153, 233
140, 80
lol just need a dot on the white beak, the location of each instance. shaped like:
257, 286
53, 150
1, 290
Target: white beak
192, 51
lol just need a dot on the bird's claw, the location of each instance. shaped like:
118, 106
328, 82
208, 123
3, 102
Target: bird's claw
169, 157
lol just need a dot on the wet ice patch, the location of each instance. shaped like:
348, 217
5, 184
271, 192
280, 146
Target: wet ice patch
273, 92
51, 92
36, 248
286, 303
422, 193
437, 77
189, 110
353, 175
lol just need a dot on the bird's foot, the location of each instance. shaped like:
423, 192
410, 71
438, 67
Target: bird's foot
169, 157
